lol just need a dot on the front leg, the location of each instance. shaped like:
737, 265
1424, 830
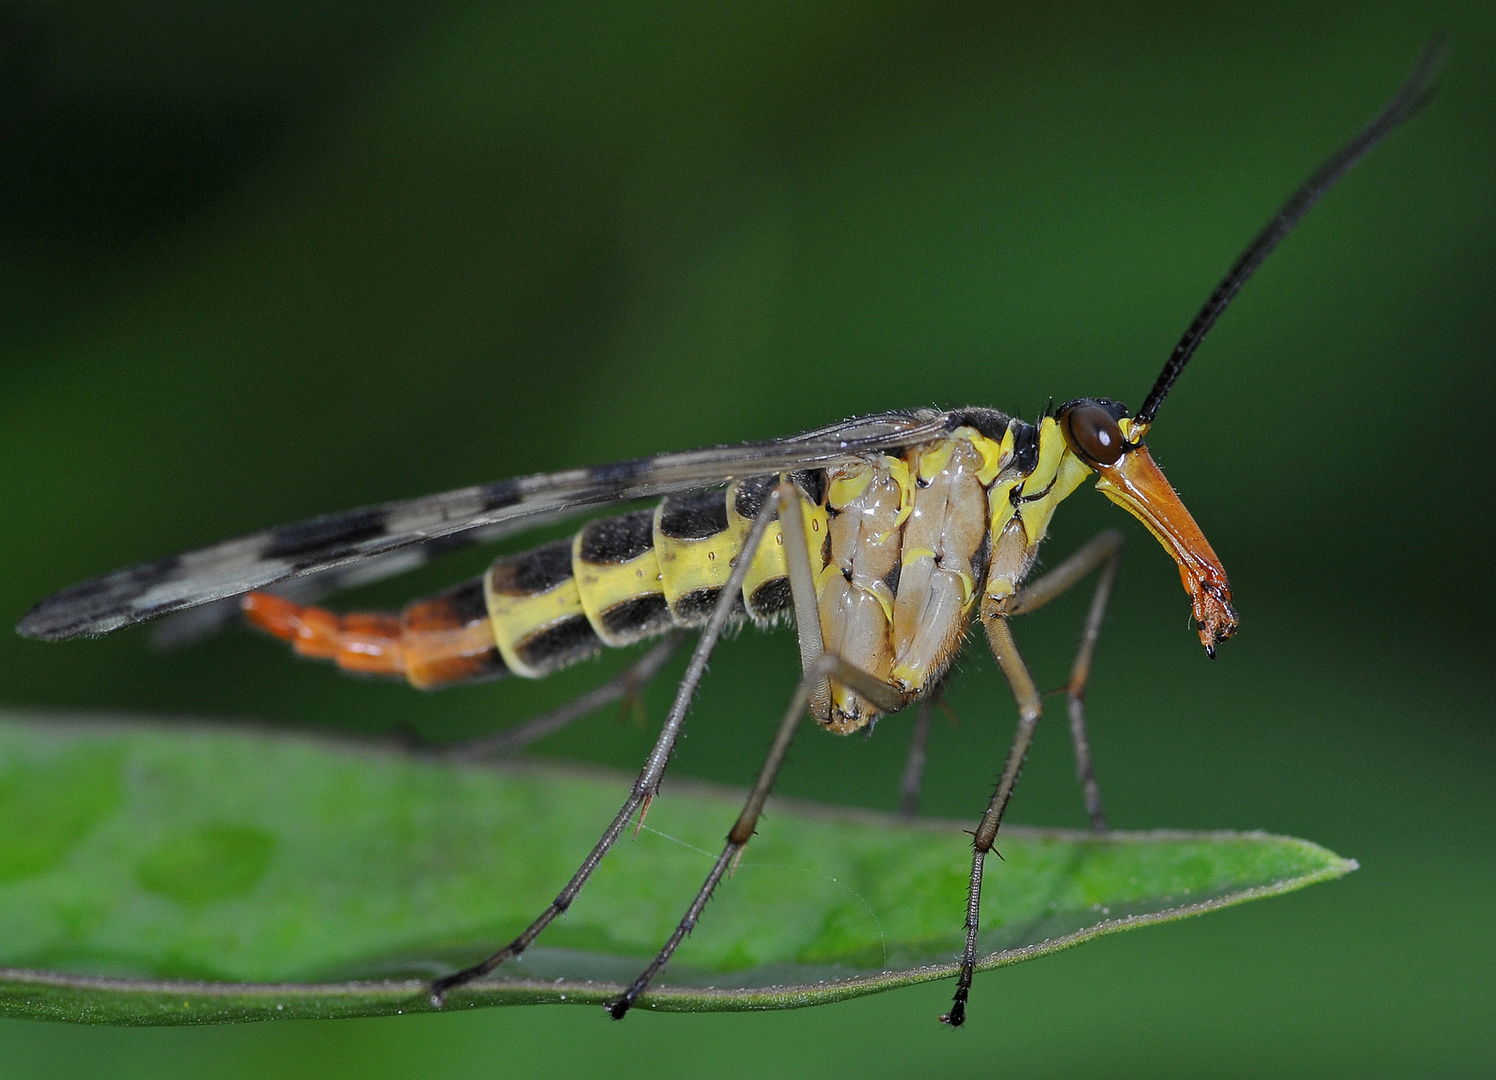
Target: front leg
1005, 649
1104, 551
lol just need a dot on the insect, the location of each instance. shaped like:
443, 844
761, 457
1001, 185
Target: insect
881, 537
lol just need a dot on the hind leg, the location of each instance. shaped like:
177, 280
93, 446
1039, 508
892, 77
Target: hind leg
626, 684
648, 782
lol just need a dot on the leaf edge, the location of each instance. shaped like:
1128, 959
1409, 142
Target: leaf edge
88, 999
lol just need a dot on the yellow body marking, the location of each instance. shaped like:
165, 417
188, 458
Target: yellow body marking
768, 561
910, 554
846, 488
1051, 479
1000, 503
995, 455
603, 586
516, 619
968, 586
688, 566
898, 469
880, 592
932, 462
817, 528
1000, 494
829, 572
1036, 515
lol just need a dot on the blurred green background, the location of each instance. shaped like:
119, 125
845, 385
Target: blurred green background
261, 261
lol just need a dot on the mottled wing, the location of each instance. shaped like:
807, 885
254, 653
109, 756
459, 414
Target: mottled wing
183, 628
485, 512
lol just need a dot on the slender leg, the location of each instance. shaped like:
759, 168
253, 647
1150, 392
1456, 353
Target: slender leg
815, 682
624, 684
803, 593
824, 666
914, 765
654, 766
1105, 551
1005, 649
1075, 694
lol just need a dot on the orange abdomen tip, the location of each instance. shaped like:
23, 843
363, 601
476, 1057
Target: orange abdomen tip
368, 643
371, 643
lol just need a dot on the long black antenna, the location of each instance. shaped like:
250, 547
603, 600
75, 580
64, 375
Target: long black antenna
1410, 97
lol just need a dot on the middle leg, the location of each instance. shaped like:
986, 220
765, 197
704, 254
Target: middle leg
625, 684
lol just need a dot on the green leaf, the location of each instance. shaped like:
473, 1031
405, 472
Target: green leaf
166, 873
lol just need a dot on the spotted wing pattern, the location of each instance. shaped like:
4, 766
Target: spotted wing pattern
336, 542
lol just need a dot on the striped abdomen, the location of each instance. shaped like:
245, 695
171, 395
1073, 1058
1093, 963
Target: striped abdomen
617, 581
901, 549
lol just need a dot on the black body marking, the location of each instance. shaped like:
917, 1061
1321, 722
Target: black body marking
750, 495
990, 422
560, 644
532, 572
695, 607
694, 516
771, 598
466, 602
492, 667
813, 483
980, 559
1025, 447
1017, 496
617, 539
639, 618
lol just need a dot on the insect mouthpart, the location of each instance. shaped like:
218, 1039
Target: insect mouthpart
1134, 482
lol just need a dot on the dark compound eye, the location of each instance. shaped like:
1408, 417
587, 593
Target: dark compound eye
1093, 434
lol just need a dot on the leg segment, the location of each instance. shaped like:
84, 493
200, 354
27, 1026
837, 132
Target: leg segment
654, 766
819, 668
1105, 551
625, 683
803, 593
914, 765
825, 665
1005, 649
